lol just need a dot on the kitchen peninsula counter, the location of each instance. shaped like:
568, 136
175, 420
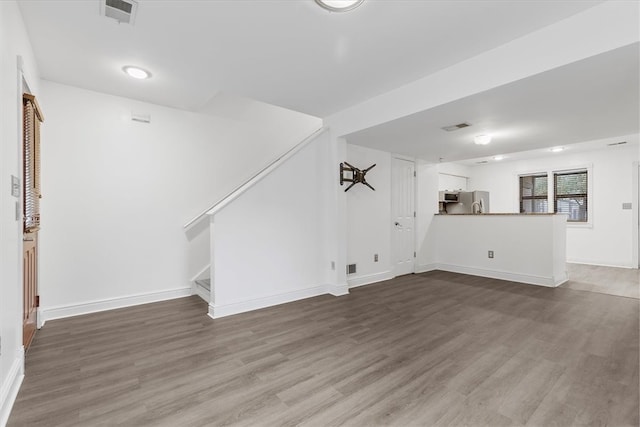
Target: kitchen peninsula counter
497, 213
526, 248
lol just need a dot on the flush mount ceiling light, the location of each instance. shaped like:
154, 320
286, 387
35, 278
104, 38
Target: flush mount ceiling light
482, 139
556, 149
136, 72
339, 5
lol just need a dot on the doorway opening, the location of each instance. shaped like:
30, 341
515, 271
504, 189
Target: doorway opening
31, 119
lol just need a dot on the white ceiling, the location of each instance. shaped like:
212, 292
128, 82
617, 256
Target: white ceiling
592, 99
289, 53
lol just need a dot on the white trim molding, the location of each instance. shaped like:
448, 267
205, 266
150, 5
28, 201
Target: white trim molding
338, 290
113, 303
635, 199
11, 386
368, 279
217, 311
551, 282
425, 268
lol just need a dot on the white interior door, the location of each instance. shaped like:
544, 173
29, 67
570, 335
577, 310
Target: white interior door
403, 215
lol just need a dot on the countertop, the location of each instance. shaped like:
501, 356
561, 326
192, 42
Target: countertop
497, 214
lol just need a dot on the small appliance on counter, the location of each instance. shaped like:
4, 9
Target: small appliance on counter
469, 202
449, 196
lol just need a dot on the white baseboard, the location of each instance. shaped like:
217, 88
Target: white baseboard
217, 311
548, 281
201, 292
600, 264
338, 290
369, 279
424, 268
112, 303
11, 386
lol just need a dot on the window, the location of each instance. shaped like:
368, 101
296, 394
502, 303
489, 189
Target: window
570, 195
533, 193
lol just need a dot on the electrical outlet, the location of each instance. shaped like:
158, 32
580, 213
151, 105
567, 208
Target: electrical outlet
490, 254
375, 257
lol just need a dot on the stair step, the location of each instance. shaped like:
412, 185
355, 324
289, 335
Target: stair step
205, 283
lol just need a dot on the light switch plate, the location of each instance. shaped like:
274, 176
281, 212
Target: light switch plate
15, 186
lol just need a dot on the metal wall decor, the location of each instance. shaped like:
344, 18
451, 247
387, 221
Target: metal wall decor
357, 175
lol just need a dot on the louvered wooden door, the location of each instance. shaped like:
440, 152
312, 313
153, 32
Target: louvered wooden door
32, 116
30, 288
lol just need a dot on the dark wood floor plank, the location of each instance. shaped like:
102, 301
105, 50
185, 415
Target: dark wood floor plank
438, 349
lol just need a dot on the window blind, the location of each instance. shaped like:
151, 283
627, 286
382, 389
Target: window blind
533, 194
571, 195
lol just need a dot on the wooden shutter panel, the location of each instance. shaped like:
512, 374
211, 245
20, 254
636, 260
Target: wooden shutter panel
31, 158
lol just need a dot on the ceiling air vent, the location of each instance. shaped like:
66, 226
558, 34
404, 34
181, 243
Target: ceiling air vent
123, 11
617, 143
456, 127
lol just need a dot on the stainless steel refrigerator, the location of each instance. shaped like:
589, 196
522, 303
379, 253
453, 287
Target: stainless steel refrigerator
470, 202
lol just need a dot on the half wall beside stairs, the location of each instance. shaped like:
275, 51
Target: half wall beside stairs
269, 239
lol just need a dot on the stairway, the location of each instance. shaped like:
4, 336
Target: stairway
203, 288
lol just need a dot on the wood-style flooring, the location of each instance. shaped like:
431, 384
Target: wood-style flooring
437, 348
624, 282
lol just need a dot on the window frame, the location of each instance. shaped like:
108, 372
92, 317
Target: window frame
584, 195
588, 167
521, 198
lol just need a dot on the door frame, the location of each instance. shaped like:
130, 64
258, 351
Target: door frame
635, 235
415, 207
23, 86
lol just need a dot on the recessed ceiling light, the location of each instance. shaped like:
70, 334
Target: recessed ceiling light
498, 157
339, 5
556, 149
136, 72
482, 139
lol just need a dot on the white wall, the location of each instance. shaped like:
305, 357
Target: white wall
608, 241
369, 217
117, 193
426, 206
269, 242
13, 42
